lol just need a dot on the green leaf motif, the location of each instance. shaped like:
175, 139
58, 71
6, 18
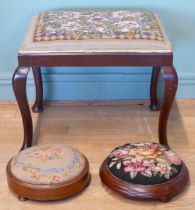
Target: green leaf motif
115, 159
118, 166
133, 174
112, 164
128, 158
161, 160
146, 174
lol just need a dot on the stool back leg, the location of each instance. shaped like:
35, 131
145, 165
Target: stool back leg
154, 105
170, 87
38, 105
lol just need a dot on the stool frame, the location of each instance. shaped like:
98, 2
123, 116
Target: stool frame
160, 62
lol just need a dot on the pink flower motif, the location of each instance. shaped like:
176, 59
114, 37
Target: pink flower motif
33, 176
56, 151
133, 167
56, 179
150, 159
153, 145
140, 169
126, 162
172, 158
47, 153
146, 163
120, 153
163, 168
40, 155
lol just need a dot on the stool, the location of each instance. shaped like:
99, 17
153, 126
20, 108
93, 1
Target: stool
145, 171
101, 38
95, 38
48, 172
108, 38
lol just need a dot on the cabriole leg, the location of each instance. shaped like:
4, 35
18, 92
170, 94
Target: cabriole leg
38, 105
154, 105
170, 87
19, 87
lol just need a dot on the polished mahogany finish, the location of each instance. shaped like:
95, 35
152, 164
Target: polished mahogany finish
170, 88
162, 192
48, 192
95, 59
157, 61
38, 105
154, 104
19, 87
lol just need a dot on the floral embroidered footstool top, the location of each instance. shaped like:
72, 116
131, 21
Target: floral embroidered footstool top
48, 164
144, 163
62, 31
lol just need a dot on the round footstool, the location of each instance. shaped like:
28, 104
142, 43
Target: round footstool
48, 172
147, 171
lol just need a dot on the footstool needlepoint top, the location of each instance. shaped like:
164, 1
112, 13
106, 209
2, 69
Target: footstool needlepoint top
146, 171
144, 163
47, 164
95, 31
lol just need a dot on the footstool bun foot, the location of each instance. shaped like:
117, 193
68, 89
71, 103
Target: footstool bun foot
48, 172
21, 198
165, 199
144, 171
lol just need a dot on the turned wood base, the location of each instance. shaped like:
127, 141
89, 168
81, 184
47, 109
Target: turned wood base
40, 192
162, 192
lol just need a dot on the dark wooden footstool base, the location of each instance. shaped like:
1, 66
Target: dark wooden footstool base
162, 192
48, 172
144, 171
47, 192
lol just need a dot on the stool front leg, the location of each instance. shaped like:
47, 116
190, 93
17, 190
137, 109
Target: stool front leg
154, 105
170, 87
19, 87
38, 105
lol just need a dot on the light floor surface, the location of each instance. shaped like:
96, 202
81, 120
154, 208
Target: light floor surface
95, 128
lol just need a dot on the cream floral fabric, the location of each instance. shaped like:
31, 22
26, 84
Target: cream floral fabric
62, 31
47, 164
99, 25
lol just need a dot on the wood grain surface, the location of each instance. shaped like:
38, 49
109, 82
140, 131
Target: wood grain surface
95, 129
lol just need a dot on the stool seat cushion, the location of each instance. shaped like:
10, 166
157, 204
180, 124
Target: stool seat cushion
144, 163
47, 164
74, 31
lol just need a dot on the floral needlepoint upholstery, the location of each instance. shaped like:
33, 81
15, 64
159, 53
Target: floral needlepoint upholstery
62, 31
144, 163
47, 164
84, 25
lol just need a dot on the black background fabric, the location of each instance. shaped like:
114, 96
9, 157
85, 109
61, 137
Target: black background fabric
141, 179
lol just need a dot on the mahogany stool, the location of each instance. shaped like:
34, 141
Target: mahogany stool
48, 172
145, 171
95, 38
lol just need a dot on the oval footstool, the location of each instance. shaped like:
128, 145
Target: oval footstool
48, 172
147, 171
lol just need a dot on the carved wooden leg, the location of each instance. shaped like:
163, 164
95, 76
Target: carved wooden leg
19, 86
170, 88
154, 105
38, 105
